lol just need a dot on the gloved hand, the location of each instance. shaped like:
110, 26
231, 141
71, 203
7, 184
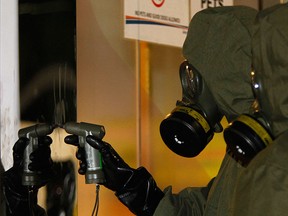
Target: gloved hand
135, 188
16, 195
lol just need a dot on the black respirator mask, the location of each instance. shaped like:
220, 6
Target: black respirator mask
248, 134
191, 125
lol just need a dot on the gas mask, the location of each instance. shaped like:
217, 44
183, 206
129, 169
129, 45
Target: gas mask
250, 133
191, 125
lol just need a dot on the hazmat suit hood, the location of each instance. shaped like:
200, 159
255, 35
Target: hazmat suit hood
218, 45
270, 61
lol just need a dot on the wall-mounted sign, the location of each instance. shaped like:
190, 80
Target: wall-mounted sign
158, 21
163, 21
197, 5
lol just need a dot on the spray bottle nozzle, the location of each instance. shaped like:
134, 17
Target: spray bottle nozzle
94, 173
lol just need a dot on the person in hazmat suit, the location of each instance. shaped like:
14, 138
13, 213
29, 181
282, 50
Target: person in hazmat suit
218, 61
19, 200
262, 187
216, 81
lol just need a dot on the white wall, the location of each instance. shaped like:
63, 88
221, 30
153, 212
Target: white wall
9, 95
9, 81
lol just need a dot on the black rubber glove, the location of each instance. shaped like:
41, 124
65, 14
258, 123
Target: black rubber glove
135, 188
17, 195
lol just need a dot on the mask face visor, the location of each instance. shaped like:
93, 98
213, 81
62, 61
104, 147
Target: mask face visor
191, 83
196, 94
261, 103
191, 125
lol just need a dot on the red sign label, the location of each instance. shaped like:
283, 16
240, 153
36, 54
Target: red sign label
158, 3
